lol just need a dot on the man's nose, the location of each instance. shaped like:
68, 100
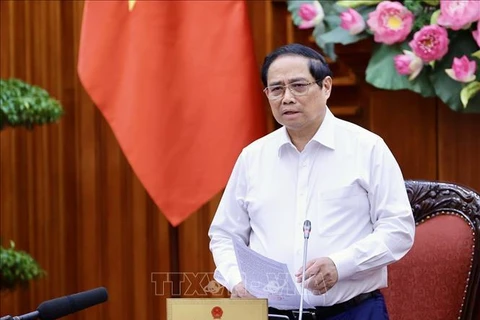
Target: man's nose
288, 97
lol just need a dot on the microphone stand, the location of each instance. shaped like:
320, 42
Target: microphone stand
307, 227
28, 316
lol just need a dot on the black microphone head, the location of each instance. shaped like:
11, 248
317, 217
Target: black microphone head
307, 227
60, 307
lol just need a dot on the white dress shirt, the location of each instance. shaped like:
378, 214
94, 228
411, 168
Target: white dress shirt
345, 181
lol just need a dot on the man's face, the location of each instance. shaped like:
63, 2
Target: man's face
300, 113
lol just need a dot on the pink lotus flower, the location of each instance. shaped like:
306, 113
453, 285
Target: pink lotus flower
476, 34
463, 70
408, 64
311, 14
430, 43
455, 14
352, 21
391, 22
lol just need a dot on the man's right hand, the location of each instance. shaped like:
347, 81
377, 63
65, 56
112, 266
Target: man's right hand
239, 291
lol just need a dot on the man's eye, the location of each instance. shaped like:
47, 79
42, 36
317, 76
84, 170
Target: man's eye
299, 85
275, 89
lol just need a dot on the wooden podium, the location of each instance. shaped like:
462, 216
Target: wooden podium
216, 309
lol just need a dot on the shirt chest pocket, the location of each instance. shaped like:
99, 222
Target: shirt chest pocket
341, 210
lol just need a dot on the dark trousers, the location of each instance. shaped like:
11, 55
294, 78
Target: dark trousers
373, 308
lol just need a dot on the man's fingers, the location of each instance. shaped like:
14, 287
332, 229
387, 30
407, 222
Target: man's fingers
320, 276
311, 269
318, 292
307, 276
317, 285
245, 294
235, 294
239, 291
307, 266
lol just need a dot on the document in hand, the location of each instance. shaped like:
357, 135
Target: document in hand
267, 278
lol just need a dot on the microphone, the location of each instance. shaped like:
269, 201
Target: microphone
60, 307
307, 227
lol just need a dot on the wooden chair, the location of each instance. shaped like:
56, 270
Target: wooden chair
439, 278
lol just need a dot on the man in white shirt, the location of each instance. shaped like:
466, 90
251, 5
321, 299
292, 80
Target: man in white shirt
341, 177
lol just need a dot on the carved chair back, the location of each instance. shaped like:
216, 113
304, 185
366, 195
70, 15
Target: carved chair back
439, 278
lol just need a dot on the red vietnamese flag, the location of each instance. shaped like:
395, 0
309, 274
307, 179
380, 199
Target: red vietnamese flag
177, 82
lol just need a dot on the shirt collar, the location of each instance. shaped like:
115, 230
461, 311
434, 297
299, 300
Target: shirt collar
324, 134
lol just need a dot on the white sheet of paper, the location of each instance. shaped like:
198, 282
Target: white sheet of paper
267, 278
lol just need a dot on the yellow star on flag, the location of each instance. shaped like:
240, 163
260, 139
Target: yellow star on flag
131, 4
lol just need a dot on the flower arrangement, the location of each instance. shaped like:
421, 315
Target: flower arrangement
431, 47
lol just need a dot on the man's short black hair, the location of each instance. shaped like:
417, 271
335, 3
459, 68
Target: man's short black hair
317, 65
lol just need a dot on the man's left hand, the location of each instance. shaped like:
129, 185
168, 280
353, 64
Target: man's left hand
320, 275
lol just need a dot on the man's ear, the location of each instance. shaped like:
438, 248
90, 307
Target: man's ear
327, 86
